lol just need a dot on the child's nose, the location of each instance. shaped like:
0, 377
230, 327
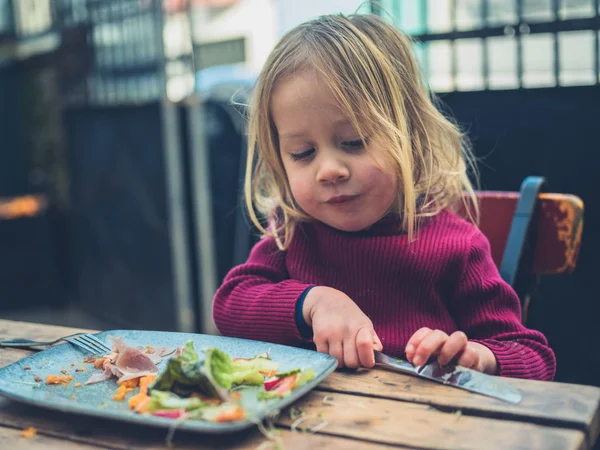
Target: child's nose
332, 170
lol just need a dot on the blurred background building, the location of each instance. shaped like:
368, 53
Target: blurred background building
121, 140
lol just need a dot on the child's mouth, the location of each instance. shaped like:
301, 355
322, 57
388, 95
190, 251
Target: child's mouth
337, 199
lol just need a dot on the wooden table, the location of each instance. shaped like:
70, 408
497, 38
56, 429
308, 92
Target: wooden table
363, 410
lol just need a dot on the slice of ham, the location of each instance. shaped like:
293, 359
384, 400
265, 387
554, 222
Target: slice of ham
132, 363
159, 353
127, 362
110, 371
99, 377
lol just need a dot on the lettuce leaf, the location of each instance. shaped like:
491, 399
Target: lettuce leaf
305, 377
251, 371
187, 373
167, 400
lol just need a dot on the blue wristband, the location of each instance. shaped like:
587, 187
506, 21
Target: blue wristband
303, 328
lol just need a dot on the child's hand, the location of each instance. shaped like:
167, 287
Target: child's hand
426, 343
340, 328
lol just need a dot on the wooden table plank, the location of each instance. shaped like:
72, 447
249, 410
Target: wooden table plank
11, 439
416, 425
97, 433
35, 331
561, 404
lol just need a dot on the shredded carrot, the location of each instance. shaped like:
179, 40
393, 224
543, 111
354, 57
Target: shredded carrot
121, 392
125, 387
143, 406
146, 381
89, 360
59, 379
28, 433
231, 415
98, 363
131, 383
140, 401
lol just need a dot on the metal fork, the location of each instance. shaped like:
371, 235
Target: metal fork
84, 341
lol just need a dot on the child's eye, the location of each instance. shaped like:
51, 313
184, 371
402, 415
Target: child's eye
356, 144
302, 155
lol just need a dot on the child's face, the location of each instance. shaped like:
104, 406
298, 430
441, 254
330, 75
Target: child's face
331, 175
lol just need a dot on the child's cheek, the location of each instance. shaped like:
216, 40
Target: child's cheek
373, 176
302, 192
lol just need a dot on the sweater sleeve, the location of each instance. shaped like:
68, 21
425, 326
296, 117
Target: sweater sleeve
488, 310
257, 299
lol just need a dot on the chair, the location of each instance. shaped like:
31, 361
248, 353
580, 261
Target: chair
531, 234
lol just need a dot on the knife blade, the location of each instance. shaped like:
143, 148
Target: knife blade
455, 376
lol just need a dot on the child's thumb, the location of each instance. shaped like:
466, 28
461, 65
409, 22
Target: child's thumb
377, 345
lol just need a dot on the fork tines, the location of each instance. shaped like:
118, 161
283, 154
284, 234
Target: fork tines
90, 343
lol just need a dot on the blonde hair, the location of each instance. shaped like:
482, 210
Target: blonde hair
369, 66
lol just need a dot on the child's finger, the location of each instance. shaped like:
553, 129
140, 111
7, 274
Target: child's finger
455, 344
377, 345
414, 341
429, 346
322, 346
364, 347
337, 351
469, 358
351, 359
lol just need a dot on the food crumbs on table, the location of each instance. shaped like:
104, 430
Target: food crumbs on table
57, 379
28, 433
72, 364
458, 415
89, 360
79, 370
38, 379
328, 400
26, 368
308, 429
296, 412
78, 384
64, 372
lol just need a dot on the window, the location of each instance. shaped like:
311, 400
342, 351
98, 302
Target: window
502, 44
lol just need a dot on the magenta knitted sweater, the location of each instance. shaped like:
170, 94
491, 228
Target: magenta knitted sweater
445, 279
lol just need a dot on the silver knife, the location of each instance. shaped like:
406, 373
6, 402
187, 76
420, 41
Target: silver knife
456, 376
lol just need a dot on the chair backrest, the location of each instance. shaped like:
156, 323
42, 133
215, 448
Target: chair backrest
551, 245
558, 226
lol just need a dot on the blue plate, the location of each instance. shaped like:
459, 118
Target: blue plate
96, 399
